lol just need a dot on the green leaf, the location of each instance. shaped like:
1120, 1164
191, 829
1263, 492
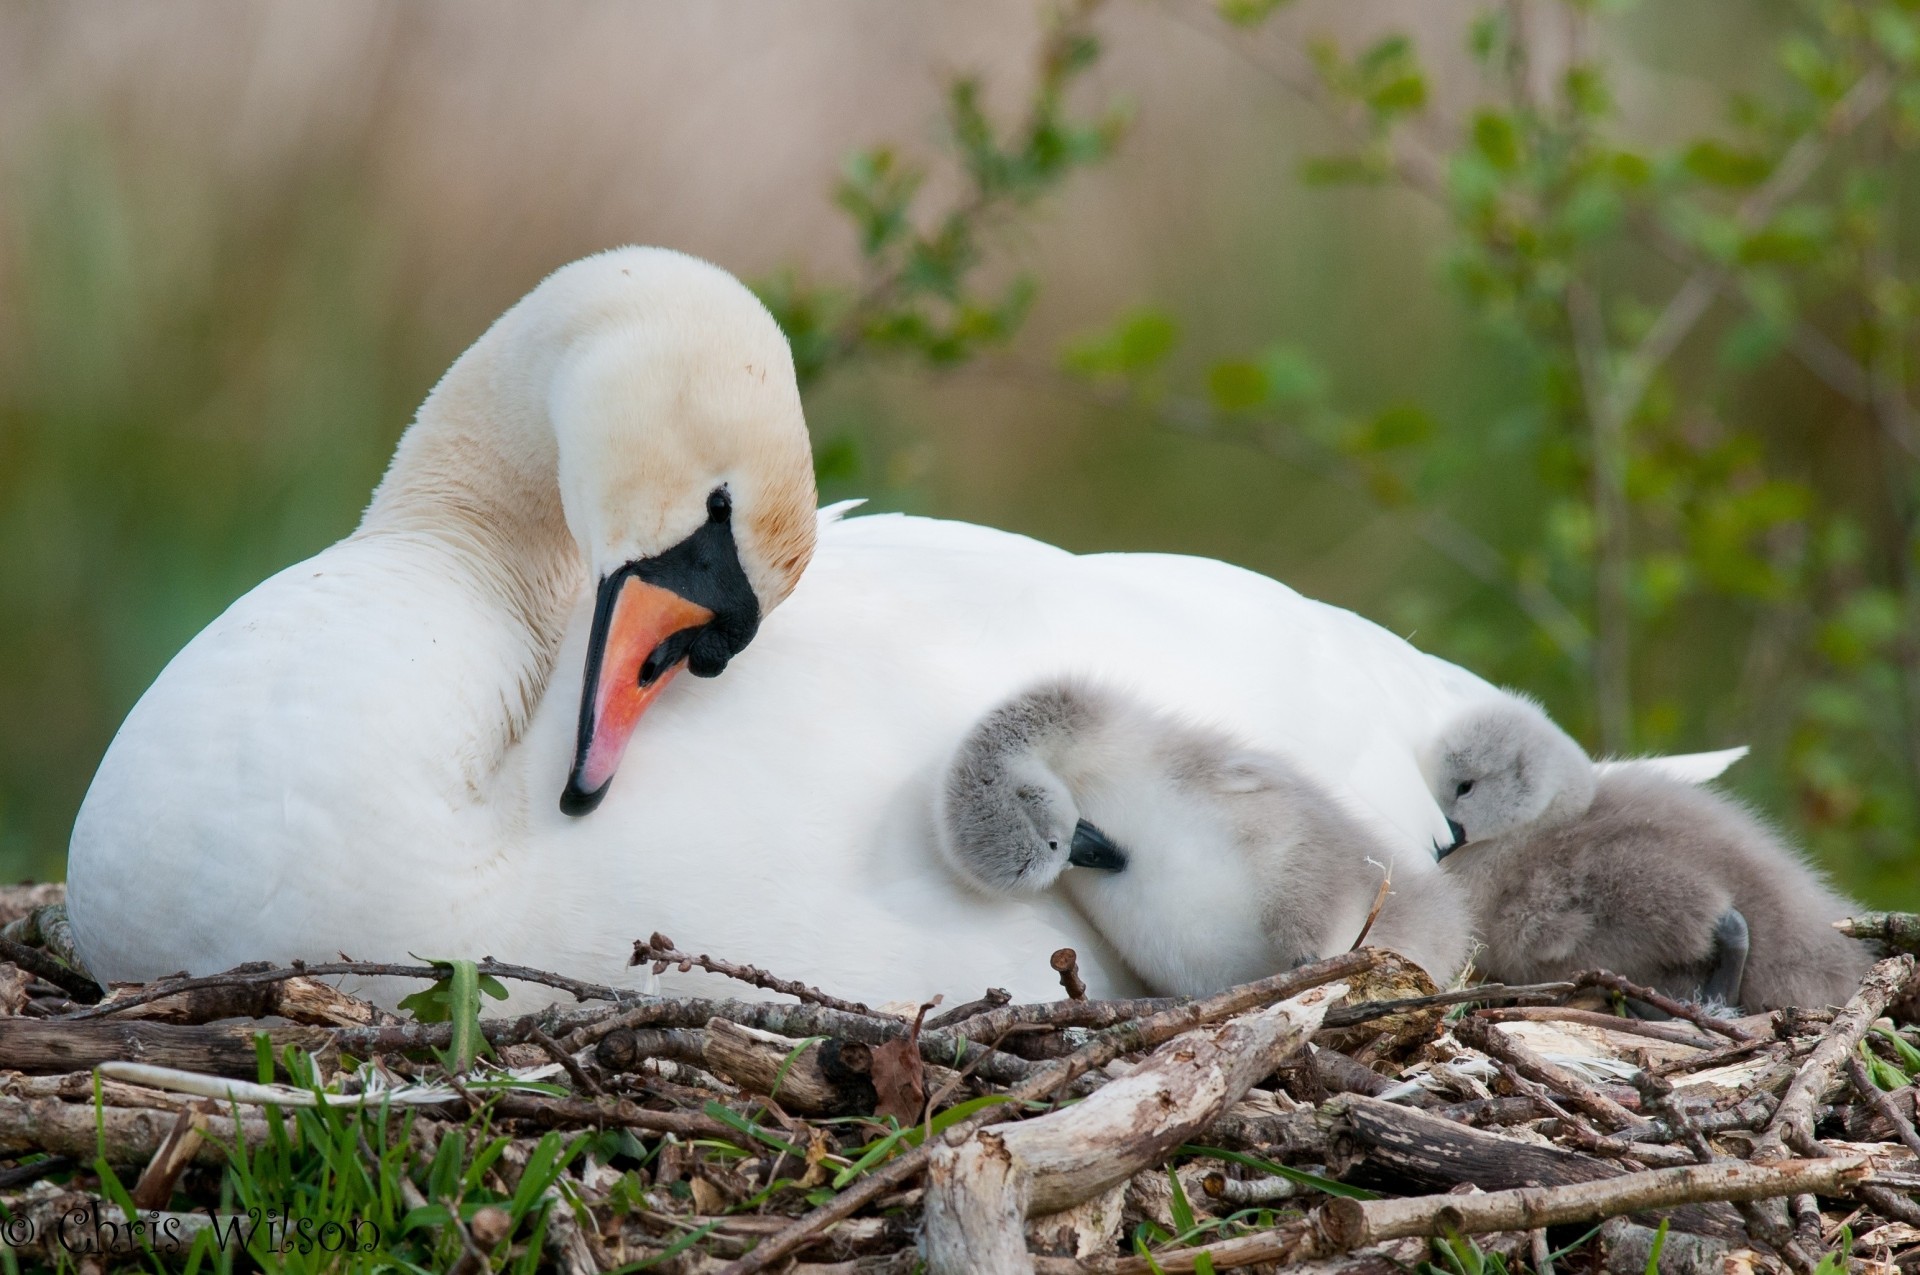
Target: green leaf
1293, 376
1344, 170
1138, 342
1399, 96
1896, 33
1496, 139
1402, 425
1249, 13
1719, 164
1659, 1242
1237, 385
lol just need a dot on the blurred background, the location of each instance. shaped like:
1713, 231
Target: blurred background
1568, 340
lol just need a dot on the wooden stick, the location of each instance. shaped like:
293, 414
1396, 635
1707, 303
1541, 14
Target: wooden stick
130, 1135
301, 999
37, 963
1668, 1032
253, 976
1896, 929
1881, 1102
62, 1045
819, 1077
1125, 1038
1066, 963
980, 1193
154, 1190
660, 950
1792, 1122
1695, 1014
1482, 1035
1437, 1153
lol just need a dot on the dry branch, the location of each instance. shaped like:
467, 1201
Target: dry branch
130, 1136
980, 1193
1490, 1040
1066, 963
1792, 1123
1356, 1223
817, 1077
1123, 1039
660, 951
1698, 1015
1896, 929
62, 1045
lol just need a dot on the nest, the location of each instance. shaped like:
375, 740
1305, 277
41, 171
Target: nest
1347, 1114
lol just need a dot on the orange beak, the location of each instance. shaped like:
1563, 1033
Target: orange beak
631, 657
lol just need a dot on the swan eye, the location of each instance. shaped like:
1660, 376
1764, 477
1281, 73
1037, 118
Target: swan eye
1466, 786
1053, 843
719, 504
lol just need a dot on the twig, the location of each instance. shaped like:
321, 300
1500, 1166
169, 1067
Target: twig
615, 1113
1880, 1102
1793, 1120
1488, 1039
1898, 929
40, 965
567, 1061
251, 977
1713, 1057
1698, 1015
1606, 1022
1373, 913
1066, 963
660, 950
1352, 1015
994, 998
1116, 1041
1351, 1224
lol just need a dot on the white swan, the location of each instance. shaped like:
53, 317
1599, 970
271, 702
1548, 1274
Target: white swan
367, 753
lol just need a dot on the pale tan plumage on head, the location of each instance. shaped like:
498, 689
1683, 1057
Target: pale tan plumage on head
1629, 869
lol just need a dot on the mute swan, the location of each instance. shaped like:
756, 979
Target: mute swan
1672, 885
1206, 863
370, 752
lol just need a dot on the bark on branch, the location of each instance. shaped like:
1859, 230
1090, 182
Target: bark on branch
980, 1193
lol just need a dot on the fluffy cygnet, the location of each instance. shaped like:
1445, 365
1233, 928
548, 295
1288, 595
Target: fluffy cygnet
1204, 862
1670, 884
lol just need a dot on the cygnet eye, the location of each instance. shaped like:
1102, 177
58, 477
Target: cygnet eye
1466, 786
1053, 843
719, 504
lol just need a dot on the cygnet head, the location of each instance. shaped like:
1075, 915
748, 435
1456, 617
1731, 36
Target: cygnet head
1503, 766
1007, 822
661, 394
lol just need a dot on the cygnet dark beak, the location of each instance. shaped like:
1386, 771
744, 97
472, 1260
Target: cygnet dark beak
1459, 839
1091, 849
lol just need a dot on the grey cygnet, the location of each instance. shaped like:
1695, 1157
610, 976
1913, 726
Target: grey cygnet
1670, 884
1205, 863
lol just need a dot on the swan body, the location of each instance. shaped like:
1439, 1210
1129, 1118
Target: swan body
1634, 868
392, 747
1204, 862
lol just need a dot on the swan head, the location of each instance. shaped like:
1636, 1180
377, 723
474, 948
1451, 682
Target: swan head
685, 475
1505, 766
1008, 822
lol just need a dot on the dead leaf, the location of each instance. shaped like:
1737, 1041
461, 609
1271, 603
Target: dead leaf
13, 989
899, 1080
707, 1198
817, 1152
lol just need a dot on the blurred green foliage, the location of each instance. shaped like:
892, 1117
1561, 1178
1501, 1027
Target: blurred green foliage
1666, 478
1662, 520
